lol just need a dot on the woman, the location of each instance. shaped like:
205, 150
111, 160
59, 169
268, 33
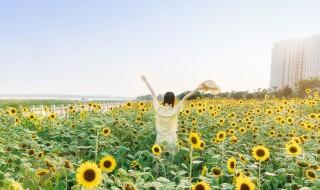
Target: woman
167, 116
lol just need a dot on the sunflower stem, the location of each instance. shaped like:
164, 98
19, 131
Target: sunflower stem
190, 166
259, 175
97, 144
65, 173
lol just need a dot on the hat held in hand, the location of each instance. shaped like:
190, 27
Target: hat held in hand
210, 86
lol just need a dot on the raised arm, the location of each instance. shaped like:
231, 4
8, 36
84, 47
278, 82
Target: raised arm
186, 97
153, 94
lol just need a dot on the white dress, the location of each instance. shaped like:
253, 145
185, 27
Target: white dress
167, 124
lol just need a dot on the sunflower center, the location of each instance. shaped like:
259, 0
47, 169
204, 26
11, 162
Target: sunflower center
244, 187
107, 164
194, 140
200, 187
156, 149
128, 187
231, 164
260, 152
293, 149
216, 171
31, 152
89, 175
311, 174
106, 131
42, 173
221, 136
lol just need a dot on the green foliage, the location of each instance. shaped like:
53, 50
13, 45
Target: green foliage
79, 137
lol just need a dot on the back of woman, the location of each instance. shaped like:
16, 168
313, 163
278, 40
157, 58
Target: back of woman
167, 117
167, 123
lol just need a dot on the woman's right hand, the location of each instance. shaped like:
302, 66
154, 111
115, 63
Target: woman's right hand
201, 86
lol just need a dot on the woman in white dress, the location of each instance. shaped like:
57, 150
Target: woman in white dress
167, 116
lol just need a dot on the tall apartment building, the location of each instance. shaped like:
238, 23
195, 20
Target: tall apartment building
294, 60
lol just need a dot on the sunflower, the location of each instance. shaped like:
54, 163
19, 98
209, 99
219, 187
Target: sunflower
308, 90
296, 140
52, 116
68, 164
231, 164
242, 130
106, 131
244, 183
242, 158
202, 145
194, 140
88, 175
128, 104
233, 124
220, 136
269, 111
221, 121
108, 164
290, 120
156, 150
260, 153
233, 139
42, 172
238, 173
40, 154
293, 149
15, 186
201, 186
31, 152
31, 117
311, 175
204, 171
17, 121
12, 111
187, 111
141, 104
216, 171
129, 186
272, 133
49, 164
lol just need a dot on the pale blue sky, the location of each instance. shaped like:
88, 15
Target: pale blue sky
101, 47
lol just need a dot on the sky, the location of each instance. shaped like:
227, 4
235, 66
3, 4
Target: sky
101, 47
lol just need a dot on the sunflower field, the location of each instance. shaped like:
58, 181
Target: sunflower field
223, 144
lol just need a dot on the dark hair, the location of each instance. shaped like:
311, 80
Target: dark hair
169, 98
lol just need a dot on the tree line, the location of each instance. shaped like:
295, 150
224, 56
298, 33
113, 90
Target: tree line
299, 90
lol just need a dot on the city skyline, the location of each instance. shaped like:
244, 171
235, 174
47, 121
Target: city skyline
102, 47
295, 59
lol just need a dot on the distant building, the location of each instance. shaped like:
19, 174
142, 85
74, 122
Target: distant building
294, 60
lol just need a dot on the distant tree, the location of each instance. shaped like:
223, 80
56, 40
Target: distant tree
224, 95
208, 95
311, 83
183, 94
194, 96
287, 91
239, 95
144, 97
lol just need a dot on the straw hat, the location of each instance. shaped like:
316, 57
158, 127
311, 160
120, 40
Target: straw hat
210, 87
